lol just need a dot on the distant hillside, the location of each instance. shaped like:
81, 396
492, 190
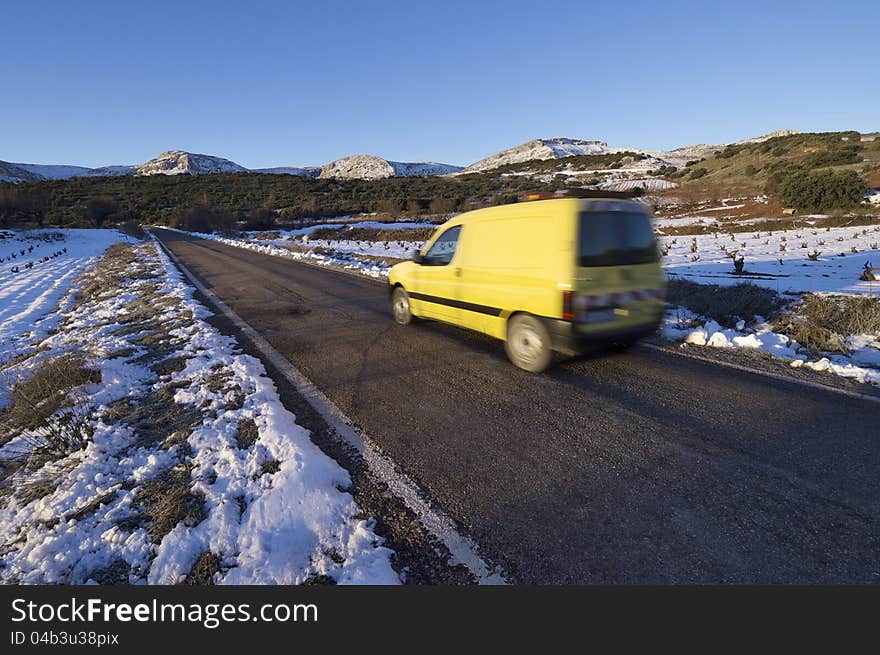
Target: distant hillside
540, 149
754, 167
177, 162
370, 167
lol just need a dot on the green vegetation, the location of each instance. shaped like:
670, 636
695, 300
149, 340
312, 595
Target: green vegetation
221, 198
816, 171
820, 191
576, 163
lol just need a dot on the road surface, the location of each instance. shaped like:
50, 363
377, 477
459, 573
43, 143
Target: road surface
638, 467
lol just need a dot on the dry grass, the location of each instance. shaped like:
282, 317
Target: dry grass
724, 304
247, 434
168, 500
822, 323
155, 416
46, 413
266, 236
202, 572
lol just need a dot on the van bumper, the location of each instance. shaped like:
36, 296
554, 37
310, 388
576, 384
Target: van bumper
569, 341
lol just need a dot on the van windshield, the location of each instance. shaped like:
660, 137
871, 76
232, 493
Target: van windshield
615, 238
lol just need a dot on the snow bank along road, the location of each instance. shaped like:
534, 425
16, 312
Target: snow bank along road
637, 467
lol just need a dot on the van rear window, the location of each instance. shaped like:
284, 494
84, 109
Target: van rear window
615, 238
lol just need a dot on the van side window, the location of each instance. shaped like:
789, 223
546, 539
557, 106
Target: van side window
443, 250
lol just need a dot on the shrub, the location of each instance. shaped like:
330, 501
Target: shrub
260, 219
98, 210
203, 219
132, 229
751, 170
697, 173
834, 157
821, 190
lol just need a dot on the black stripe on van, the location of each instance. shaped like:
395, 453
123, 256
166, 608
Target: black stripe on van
458, 304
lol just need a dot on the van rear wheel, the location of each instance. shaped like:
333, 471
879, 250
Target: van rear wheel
528, 343
400, 306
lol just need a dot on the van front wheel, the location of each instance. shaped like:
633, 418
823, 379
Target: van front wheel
400, 306
528, 343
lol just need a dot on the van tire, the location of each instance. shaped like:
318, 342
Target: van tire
401, 309
528, 343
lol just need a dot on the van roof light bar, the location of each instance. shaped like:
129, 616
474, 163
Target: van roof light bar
530, 196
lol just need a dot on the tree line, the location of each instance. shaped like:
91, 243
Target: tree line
257, 198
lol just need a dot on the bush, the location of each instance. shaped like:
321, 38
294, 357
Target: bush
724, 304
697, 173
821, 190
203, 219
751, 170
98, 210
132, 229
835, 157
260, 219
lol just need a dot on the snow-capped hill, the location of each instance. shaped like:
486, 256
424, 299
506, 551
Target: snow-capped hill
306, 171
14, 173
55, 171
363, 167
541, 149
370, 167
178, 162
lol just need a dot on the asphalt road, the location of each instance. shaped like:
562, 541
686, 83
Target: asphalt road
638, 467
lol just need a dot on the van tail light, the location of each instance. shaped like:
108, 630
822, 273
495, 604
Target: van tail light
567, 306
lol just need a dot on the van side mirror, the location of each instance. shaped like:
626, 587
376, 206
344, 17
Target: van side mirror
417, 258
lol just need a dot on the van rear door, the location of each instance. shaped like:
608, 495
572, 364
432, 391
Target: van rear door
618, 276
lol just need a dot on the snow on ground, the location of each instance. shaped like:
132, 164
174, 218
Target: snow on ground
780, 259
790, 262
861, 364
379, 225
263, 506
343, 254
31, 293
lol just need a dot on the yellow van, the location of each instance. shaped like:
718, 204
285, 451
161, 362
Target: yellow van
544, 275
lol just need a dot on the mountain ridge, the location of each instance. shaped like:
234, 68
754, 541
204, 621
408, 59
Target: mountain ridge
362, 166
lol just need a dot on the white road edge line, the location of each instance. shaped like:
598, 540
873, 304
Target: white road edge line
462, 549
767, 374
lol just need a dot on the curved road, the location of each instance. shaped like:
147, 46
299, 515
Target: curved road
641, 467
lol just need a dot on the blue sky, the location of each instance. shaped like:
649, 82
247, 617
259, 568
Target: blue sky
287, 83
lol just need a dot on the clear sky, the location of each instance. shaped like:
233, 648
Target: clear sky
292, 83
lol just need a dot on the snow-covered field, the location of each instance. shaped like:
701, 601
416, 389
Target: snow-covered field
32, 285
787, 261
191, 467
